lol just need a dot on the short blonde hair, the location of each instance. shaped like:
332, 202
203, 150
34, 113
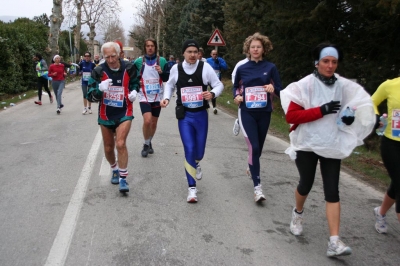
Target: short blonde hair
266, 43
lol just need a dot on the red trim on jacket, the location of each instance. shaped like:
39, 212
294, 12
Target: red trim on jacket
296, 114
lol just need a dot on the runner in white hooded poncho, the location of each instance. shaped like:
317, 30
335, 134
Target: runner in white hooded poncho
321, 133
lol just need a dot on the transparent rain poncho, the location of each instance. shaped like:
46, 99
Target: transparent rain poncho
324, 136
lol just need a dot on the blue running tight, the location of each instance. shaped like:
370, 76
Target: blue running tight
254, 127
193, 130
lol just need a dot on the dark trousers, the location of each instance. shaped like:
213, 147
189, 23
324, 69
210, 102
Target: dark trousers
42, 82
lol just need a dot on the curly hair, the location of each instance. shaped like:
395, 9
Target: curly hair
266, 43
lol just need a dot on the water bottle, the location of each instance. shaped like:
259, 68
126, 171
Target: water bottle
348, 112
384, 121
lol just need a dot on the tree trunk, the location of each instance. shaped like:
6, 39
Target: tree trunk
56, 20
77, 30
92, 34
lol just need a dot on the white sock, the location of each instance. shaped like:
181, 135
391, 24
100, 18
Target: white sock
333, 239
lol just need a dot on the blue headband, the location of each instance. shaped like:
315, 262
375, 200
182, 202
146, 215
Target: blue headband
327, 51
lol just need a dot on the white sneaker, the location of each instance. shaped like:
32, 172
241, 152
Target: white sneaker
380, 221
258, 194
296, 225
192, 195
84, 111
90, 110
199, 174
337, 248
236, 127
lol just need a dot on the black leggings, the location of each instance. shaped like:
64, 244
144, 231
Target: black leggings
390, 152
42, 82
306, 163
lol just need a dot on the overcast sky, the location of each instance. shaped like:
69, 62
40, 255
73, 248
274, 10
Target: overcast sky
32, 8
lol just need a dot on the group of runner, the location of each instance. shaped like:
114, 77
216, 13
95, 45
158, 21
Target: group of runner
313, 107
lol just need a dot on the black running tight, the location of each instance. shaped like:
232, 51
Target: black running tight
306, 163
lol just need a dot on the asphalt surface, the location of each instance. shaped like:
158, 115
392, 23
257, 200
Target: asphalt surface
58, 207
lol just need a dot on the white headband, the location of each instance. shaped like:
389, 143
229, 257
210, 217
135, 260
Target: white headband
327, 51
54, 58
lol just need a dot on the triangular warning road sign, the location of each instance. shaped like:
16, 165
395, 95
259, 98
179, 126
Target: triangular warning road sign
216, 39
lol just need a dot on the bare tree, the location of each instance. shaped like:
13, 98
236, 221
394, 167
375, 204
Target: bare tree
74, 10
151, 20
56, 20
94, 11
111, 28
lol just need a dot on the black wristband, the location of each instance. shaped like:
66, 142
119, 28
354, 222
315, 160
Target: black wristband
213, 94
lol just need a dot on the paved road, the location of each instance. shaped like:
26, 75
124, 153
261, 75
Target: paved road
57, 206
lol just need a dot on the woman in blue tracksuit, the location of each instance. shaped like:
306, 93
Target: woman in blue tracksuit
255, 83
86, 66
191, 78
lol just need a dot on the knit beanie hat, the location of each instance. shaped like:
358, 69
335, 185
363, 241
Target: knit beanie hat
189, 43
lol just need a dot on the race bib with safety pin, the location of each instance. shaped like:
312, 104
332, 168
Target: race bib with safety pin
114, 96
256, 97
152, 86
86, 76
192, 97
396, 123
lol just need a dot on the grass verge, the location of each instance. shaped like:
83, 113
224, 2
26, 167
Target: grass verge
364, 163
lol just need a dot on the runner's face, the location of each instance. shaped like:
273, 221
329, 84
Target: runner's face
256, 50
150, 48
190, 54
111, 57
87, 57
214, 54
57, 60
327, 66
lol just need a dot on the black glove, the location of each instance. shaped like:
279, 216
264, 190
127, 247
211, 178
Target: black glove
330, 108
216, 61
348, 120
378, 119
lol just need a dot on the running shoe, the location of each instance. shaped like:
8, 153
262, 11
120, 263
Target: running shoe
151, 151
258, 194
199, 174
115, 177
123, 186
380, 221
90, 110
58, 111
192, 195
337, 248
215, 111
61, 106
296, 224
51, 99
145, 150
38, 102
236, 127
84, 111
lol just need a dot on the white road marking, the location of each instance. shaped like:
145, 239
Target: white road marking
62, 242
105, 172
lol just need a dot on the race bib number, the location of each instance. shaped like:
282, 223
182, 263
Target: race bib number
396, 123
256, 97
192, 97
152, 86
85, 76
114, 96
